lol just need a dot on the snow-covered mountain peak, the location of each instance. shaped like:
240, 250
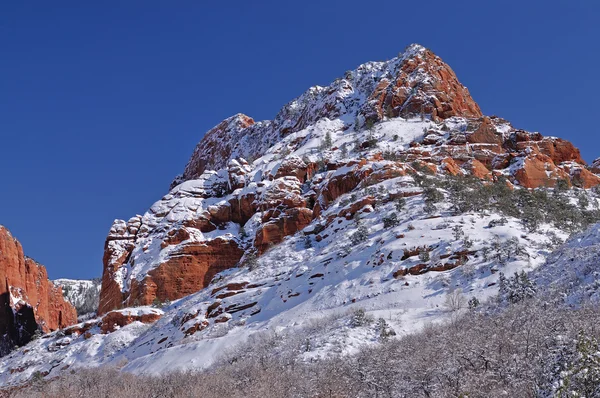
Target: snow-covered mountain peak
417, 82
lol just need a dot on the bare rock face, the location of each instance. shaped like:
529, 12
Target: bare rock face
595, 166
28, 300
187, 270
288, 223
580, 176
114, 320
538, 171
484, 133
177, 247
421, 83
294, 166
117, 249
117, 319
417, 82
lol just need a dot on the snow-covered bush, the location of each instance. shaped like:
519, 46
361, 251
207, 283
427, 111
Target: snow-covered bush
515, 288
361, 235
360, 318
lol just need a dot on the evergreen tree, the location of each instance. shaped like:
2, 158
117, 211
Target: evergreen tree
327, 142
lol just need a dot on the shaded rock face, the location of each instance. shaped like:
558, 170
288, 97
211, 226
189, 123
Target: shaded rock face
537, 171
287, 223
179, 244
117, 249
28, 300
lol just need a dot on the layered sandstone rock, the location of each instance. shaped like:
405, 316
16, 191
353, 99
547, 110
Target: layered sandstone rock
417, 82
117, 250
118, 319
421, 84
28, 300
187, 270
288, 223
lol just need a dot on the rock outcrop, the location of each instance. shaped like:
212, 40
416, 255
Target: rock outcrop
187, 270
28, 300
344, 200
421, 84
217, 145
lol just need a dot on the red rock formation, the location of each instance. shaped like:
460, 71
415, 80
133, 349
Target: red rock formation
539, 171
117, 249
296, 167
595, 166
186, 271
243, 207
449, 165
479, 170
28, 300
273, 231
485, 133
179, 239
117, 319
113, 320
409, 93
350, 210
237, 170
215, 146
555, 148
341, 183
580, 176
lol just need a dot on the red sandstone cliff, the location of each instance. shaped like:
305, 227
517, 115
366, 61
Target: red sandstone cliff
28, 300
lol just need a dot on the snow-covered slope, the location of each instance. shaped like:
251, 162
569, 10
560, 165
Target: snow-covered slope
297, 282
84, 294
384, 192
573, 270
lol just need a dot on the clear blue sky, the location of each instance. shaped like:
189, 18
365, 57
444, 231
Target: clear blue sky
102, 103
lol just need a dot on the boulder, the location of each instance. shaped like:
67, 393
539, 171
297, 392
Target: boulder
538, 171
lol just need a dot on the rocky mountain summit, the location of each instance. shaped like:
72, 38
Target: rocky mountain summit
378, 196
28, 300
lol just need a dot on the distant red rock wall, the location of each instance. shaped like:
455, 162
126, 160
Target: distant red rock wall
27, 298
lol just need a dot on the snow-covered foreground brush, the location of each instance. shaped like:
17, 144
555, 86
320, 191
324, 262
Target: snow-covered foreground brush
531, 348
